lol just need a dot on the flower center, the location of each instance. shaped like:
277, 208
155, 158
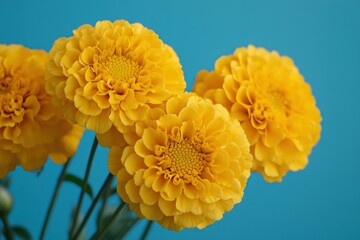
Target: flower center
121, 68
10, 100
186, 160
269, 107
277, 101
11, 108
5, 85
9, 83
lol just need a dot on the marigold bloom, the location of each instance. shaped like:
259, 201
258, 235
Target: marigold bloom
108, 75
189, 165
31, 129
273, 103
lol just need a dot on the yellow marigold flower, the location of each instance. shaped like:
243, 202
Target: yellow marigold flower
108, 75
31, 129
189, 165
273, 103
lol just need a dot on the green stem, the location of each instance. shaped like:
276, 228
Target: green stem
53, 199
105, 198
147, 229
93, 204
101, 233
7, 230
82, 193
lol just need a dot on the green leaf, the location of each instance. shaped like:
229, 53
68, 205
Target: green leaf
79, 182
21, 232
80, 218
127, 228
121, 225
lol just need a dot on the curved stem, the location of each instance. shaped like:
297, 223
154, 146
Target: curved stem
7, 230
147, 229
93, 204
53, 199
101, 233
82, 193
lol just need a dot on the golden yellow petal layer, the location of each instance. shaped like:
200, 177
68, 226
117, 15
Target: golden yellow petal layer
266, 93
110, 74
187, 166
31, 128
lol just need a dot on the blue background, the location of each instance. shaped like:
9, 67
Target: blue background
323, 38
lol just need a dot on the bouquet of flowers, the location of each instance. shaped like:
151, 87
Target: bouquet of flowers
180, 158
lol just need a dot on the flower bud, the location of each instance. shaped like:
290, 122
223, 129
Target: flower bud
5, 201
